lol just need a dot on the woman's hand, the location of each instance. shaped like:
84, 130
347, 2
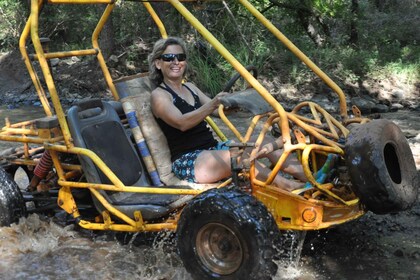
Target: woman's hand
217, 100
268, 148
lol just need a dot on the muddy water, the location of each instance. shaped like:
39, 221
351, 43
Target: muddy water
37, 249
47, 248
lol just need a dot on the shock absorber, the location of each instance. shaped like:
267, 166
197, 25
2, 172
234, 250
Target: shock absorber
41, 170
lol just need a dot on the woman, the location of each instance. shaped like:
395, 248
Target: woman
180, 109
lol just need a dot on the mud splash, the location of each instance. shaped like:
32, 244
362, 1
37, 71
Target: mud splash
39, 249
36, 249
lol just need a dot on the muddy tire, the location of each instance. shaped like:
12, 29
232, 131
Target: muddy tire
381, 167
227, 234
12, 205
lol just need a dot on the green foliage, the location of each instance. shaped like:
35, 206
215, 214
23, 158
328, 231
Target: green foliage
328, 7
210, 79
65, 27
388, 36
12, 20
211, 72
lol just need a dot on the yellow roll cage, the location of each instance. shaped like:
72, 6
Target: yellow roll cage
291, 211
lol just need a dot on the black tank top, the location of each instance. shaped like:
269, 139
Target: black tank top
181, 142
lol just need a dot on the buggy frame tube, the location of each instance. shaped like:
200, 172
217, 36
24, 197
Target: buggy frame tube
117, 184
156, 19
298, 53
237, 65
100, 56
34, 77
47, 73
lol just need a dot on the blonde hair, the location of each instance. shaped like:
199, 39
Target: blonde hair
160, 46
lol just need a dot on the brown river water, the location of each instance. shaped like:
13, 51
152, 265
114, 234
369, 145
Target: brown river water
49, 248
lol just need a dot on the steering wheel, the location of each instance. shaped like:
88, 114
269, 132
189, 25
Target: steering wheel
229, 85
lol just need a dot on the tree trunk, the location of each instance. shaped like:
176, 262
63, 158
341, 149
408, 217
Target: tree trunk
354, 34
311, 30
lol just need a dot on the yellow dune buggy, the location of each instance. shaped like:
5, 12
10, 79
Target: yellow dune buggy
106, 163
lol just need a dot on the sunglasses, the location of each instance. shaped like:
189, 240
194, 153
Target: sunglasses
171, 57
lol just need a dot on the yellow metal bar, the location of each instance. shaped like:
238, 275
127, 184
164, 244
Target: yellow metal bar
57, 164
324, 113
68, 54
117, 184
130, 189
34, 77
24, 139
157, 20
22, 131
46, 71
305, 163
128, 228
26, 162
216, 129
237, 65
99, 56
300, 55
96, 160
229, 124
20, 124
66, 201
311, 130
252, 127
112, 209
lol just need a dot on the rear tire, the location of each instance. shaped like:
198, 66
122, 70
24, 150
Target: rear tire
12, 205
225, 234
381, 167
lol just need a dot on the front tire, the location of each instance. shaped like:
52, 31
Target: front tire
227, 234
12, 205
381, 167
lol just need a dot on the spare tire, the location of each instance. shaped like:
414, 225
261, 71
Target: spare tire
12, 204
381, 167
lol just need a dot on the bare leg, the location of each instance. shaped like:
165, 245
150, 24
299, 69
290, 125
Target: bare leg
272, 149
291, 166
212, 166
283, 183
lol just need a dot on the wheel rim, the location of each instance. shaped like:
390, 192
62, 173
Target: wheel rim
219, 249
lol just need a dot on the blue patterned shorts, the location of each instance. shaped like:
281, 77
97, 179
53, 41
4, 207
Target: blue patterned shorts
183, 167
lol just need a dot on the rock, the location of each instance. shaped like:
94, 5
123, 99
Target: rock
75, 59
54, 62
413, 105
364, 105
396, 107
113, 61
380, 108
398, 94
113, 58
